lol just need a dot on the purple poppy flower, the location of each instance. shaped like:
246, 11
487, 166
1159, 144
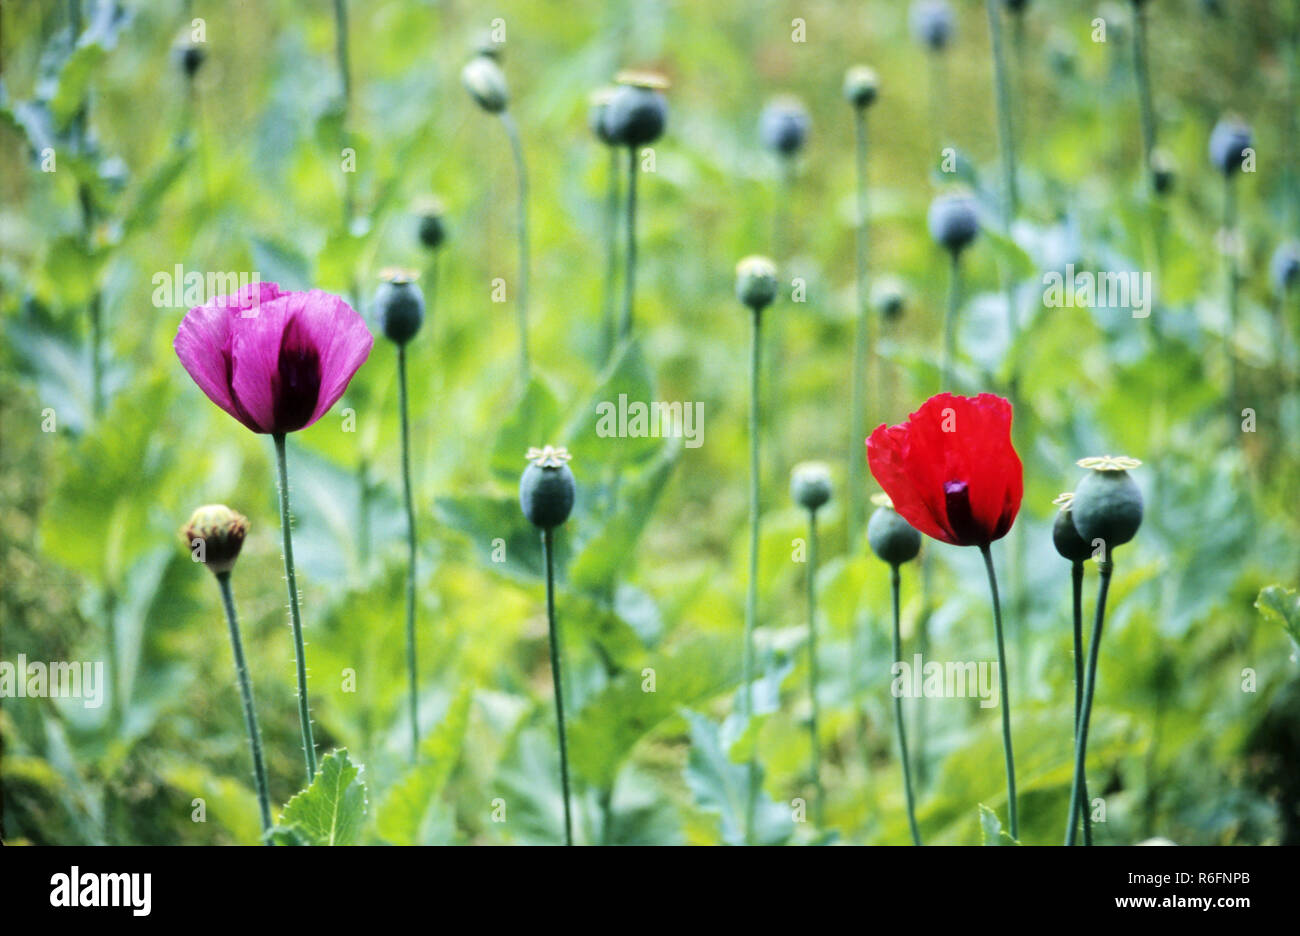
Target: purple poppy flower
275, 360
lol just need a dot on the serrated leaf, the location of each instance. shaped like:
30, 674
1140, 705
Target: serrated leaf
331, 810
400, 818
991, 829
1281, 606
723, 787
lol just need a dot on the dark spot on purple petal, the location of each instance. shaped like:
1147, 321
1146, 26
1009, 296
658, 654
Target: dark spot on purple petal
960, 519
297, 383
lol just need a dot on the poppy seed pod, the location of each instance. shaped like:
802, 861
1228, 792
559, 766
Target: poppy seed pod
637, 111
1065, 537
486, 83
1162, 172
219, 532
1016, 6
860, 86
596, 115
931, 22
810, 484
189, 55
954, 220
1107, 504
1284, 268
431, 226
890, 297
783, 126
756, 282
546, 488
1229, 140
399, 306
890, 537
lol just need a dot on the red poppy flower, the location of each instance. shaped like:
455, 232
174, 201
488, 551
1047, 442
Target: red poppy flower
951, 470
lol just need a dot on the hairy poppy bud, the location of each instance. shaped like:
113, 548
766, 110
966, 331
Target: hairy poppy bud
432, 227
215, 534
486, 83
1107, 504
891, 538
637, 111
1284, 268
810, 484
889, 297
546, 489
954, 220
1162, 172
399, 306
1065, 537
931, 22
783, 125
756, 282
860, 86
1229, 140
596, 115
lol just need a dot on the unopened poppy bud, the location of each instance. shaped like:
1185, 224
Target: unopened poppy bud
399, 306
890, 537
783, 126
486, 83
860, 86
1107, 504
1229, 140
1065, 537
432, 228
931, 23
954, 220
756, 282
546, 489
890, 297
1162, 172
1284, 268
637, 111
214, 535
810, 484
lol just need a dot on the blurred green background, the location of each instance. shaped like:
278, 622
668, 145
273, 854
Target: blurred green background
239, 170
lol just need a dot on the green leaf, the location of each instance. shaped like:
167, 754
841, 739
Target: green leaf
628, 376
72, 270
722, 786
535, 417
144, 209
331, 810
991, 829
74, 80
401, 816
500, 533
616, 718
1281, 606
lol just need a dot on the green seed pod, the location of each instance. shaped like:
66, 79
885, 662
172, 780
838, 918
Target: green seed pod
189, 55
1065, 537
954, 220
486, 83
1107, 504
891, 538
215, 534
810, 484
399, 306
637, 111
1162, 172
432, 226
783, 125
860, 86
546, 489
596, 115
756, 282
1229, 140
890, 297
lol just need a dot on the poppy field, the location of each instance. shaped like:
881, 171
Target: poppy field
650, 423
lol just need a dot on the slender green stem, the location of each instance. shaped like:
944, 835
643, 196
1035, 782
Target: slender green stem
1006, 139
1090, 686
781, 210
1006, 701
517, 150
295, 619
898, 712
412, 671
862, 344
751, 598
1076, 574
950, 322
608, 333
629, 277
548, 545
246, 694
819, 809
345, 77
1230, 278
115, 700
920, 706
1142, 73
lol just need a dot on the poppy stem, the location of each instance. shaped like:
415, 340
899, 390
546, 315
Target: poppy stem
950, 323
629, 278
1142, 75
862, 344
1006, 142
295, 619
608, 335
894, 578
548, 549
1012, 814
517, 150
1081, 741
246, 694
1077, 577
818, 809
1230, 277
412, 670
751, 598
